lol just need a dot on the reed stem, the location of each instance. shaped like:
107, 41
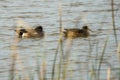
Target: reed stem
113, 21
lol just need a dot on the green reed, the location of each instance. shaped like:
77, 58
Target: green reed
96, 61
62, 67
92, 73
59, 46
114, 29
61, 41
101, 58
54, 62
113, 21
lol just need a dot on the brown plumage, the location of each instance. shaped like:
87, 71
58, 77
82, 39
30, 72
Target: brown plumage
75, 32
30, 33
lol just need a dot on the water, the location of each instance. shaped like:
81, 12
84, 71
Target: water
75, 14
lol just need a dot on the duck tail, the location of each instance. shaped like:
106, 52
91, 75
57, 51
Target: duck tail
65, 31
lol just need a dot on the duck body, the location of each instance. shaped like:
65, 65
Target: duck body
30, 33
76, 32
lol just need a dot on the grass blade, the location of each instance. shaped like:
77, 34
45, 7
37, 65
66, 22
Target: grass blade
113, 21
101, 58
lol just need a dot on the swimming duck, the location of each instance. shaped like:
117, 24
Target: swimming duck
30, 33
75, 32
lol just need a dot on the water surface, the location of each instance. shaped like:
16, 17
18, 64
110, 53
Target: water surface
75, 14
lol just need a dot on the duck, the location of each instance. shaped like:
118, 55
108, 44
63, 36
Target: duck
30, 33
76, 32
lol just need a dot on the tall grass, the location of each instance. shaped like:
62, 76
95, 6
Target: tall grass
63, 64
118, 55
108, 74
13, 58
11, 73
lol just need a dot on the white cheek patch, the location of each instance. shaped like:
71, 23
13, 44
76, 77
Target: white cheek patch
25, 35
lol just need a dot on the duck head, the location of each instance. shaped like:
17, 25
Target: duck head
86, 28
22, 31
39, 29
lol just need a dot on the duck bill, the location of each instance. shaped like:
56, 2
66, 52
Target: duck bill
90, 30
